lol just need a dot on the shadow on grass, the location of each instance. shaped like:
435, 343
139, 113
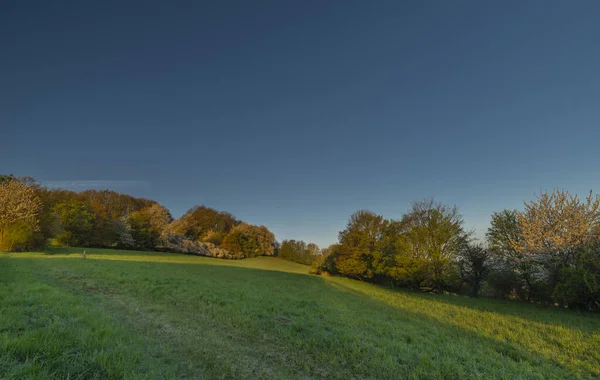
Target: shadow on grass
353, 322
580, 320
571, 340
434, 337
359, 315
583, 321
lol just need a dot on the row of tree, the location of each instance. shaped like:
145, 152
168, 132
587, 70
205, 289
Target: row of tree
299, 251
548, 253
31, 215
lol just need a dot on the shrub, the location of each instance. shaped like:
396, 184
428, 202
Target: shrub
579, 285
473, 262
504, 283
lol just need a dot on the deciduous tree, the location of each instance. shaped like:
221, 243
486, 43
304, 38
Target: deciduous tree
556, 223
247, 240
20, 208
76, 223
432, 238
298, 251
356, 253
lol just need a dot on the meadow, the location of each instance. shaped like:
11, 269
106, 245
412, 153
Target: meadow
126, 314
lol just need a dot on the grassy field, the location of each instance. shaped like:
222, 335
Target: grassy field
123, 314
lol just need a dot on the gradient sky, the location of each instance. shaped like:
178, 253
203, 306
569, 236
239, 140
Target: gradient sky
295, 114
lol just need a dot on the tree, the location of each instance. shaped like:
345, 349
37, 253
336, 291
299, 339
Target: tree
555, 224
148, 224
356, 253
247, 240
158, 217
124, 235
554, 229
214, 237
313, 250
20, 208
183, 226
324, 263
473, 262
109, 208
6, 178
514, 273
579, 285
385, 262
504, 234
202, 222
432, 238
112, 205
298, 251
76, 223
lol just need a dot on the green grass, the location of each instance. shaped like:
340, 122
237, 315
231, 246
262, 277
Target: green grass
123, 314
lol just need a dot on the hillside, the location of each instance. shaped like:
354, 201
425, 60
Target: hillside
124, 314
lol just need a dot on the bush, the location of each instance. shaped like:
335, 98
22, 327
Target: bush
170, 242
324, 264
579, 286
473, 262
504, 284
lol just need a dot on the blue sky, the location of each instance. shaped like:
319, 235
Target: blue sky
295, 114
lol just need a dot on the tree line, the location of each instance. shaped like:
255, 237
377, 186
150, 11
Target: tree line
298, 251
547, 253
32, 215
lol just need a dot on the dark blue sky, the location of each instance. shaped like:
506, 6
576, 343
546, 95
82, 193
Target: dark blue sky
295, 114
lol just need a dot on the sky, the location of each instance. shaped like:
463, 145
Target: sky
294, 114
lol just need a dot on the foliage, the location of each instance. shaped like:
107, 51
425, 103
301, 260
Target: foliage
148, 224
548, 253
124, 234
246, 240
31, 215
200, 221
112, 205
16, 236
556, 223
5, 178
356, 254
76, 223
214, 237
20, 209
172, 242
298, 251
579, 285
474, 265
514, 272
325, 262
554, 226
427, 249
504, 234
420, 250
